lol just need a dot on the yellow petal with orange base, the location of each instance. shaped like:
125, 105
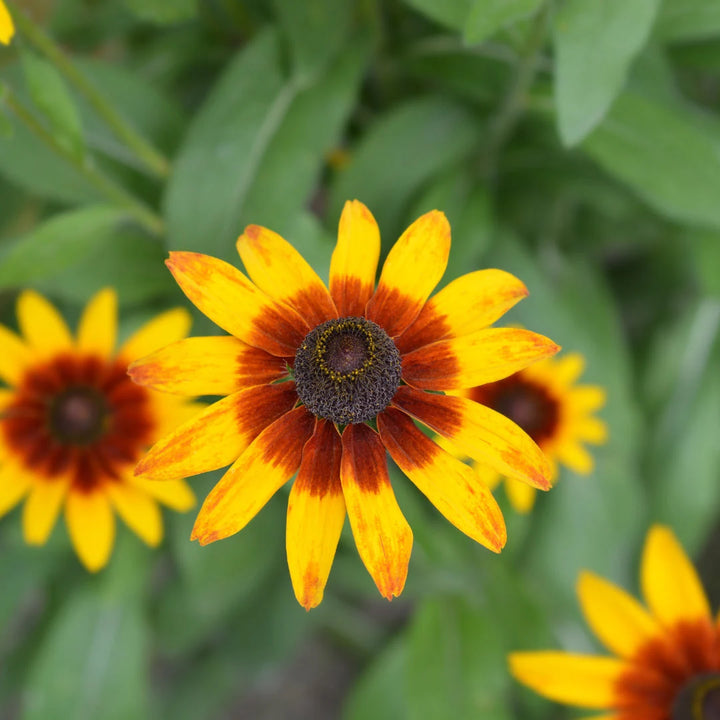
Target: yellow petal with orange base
582, 680
382, 534
354, 260
41, 324
14, 358
450, 485
42, 508
670, 583
138, 510
7, 27
176, 494
411, 271
97, 331
166, 328
270, 460
279, 270
315, 515
619, 621
91, 525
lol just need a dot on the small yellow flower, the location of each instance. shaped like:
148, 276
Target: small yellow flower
667, 657
73, 425
545, 401
7, 27
323, 382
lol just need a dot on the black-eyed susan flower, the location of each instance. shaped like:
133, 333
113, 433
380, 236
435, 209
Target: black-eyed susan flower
7, 27
322, 383
666, 663
73, 425
545, 401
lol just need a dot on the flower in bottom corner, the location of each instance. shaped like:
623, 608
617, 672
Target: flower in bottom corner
557, 413
666, 654
7, 27
73, 425
323, 382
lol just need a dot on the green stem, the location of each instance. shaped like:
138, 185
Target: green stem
108, 187
148, 155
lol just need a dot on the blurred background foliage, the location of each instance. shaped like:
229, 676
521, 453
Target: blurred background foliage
575, 144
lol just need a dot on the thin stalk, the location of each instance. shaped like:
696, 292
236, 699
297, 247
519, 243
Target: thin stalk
115, 193
147, 154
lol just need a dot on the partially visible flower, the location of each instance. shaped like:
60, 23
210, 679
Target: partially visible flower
7, 27
73, 425
545, 401
323, 383
667, 657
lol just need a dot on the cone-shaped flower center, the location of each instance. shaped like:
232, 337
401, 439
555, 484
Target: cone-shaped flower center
77, 415
347, 370
699, 699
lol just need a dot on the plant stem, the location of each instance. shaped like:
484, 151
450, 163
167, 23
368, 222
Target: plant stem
108, 187
147, 154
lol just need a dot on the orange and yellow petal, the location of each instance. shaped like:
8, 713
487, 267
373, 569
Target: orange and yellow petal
382, 534
670, 583
176, 494
464, 306
479, 432
168, 327
207, 366
270, 460
91, 525
470, 360
138, 510
355, 259
14, 358
619, 621
279, 270
7, 27
450, 485
42, 508
411, 271
218, 435
41, 324
231, 301
316, 515
97, 331
582, 680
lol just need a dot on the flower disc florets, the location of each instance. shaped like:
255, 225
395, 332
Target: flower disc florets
78, 416
347, 370
699, 698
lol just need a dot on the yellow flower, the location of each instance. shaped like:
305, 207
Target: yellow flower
667, 657
321, 383
544, 400
7, 28
73, 425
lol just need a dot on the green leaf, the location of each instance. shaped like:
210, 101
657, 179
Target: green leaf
163, 12
666, 154
259, 143
403, 150
683, 20
51, 96
595, 43
452, 13
57, 244
704, 246
489, 16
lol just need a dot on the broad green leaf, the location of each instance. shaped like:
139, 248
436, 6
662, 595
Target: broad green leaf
403, 150
489, 16
704, 245
57, 244
595, 43
666, 154
452, 13
684, 20
164, 12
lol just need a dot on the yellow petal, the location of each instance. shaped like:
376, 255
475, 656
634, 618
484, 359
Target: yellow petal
14, 358
588, 398
670, 583
520, 495
163, 329
14, 485
42, 325
568, 368
279, 270
582, 680
41, 510
618, 620
411, 271
483, 357
97, 330
488, 475
355, 259
591, 430
316, 515
575, 456
139, 511
450, 485
7, 28
176, 494
464, 306
382, 534
91, 525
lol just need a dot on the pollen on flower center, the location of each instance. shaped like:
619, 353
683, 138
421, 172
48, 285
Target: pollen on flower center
347, 370
699, 699
77, 415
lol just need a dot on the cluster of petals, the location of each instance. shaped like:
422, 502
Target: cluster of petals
263, 431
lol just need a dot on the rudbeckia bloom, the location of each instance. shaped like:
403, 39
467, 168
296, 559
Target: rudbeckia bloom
321, 383
73, 425
667, 656
545, 401
7, 27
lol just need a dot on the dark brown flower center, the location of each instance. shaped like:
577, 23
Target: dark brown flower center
699, 699
347, 370
78, 415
